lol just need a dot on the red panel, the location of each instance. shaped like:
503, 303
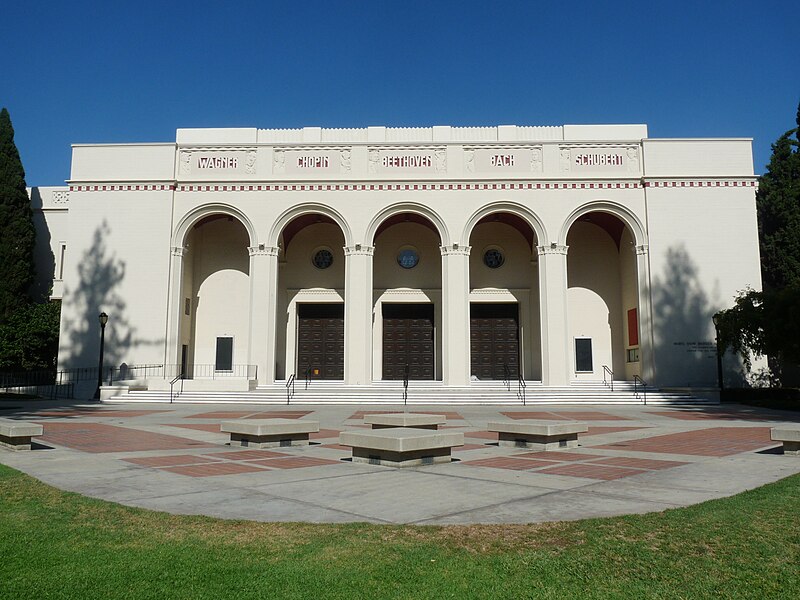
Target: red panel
633, 328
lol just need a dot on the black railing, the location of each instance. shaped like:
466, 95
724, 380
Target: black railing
507, 376
521, 386
211, 372
125, 372
172, 383
289, 388
610, 382
309, 370
637, 383
405, 385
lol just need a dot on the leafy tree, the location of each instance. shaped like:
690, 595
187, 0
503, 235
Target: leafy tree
17, 234
29, 339
778, 202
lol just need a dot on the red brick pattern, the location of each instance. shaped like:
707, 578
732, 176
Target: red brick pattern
170, 461
639, 463
531, 414
484, 435
97, 437
213, 469
294, 462
335, 447
502, 462
717, 441
248, 455
466, 447
591, 471
558, 456
324, 434
602, 430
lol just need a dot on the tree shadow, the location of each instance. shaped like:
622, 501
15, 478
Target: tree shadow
42, 254
99, 276
684, 337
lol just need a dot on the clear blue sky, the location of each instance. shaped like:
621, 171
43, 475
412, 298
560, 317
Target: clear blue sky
136, 71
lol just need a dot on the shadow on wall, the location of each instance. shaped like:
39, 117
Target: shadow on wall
685, 347
97, 291
42, 254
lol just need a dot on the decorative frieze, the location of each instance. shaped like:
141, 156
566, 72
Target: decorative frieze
359, 250
179, 251
500, 160
263, 250
552, 249
455, 250
60, 197
672, 183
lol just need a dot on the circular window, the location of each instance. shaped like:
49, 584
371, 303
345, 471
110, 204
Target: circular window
493, 258
407, 258
323, 258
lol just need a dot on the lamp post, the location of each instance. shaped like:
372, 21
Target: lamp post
103, 318
720, 381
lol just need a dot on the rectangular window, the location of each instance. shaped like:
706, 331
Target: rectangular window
583, 355
224, 360
633, 328
62, 254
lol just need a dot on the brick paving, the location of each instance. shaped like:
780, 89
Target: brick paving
248, 455
451, 416
251, 414
486, 435
713, 414
323, 434
716, 441
97, 413
559, 456
591, 471
501, 462
564, 415
294, 462
101, 438
638, 463
603, 430
215, 469
170, 461
210, 427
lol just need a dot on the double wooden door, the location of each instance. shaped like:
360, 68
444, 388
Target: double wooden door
320, 341
494, 341
408, 341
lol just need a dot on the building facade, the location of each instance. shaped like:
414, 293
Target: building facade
555, 254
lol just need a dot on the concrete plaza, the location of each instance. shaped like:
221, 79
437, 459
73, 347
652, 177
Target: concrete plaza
634, 459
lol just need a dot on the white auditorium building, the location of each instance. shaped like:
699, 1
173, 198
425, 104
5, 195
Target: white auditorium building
449, 255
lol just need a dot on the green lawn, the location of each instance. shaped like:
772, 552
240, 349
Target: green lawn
55, 544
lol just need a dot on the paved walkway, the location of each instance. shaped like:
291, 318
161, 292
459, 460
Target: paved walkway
634, 459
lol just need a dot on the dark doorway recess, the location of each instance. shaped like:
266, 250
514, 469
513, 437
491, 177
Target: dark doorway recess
408, 340
494, 340
320, 341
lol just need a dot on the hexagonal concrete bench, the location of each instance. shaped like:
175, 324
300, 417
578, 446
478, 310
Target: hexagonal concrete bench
413, 420
789, 434
16, 435
401, 446
269, 433
538, 435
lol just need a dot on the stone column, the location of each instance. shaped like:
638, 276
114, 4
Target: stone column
263, 310
455, 316
645, 315
553, 315
174, 309
358, 315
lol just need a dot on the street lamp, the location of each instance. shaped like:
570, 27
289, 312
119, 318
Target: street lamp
720, 381
103, 318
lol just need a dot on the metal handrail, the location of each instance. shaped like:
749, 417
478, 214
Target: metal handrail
611, 376
308, 375
172, 383
507, 376
521, 385
405, 385
130, 370
636, 382
289, 388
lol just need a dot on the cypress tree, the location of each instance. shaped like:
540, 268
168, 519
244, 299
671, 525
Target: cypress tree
778, 202
17, 234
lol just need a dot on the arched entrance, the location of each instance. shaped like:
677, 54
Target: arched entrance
602, 297
310, 299
407, 282
214, 332
505, 339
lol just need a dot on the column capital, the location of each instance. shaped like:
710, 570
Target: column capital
179, 251
643, 249
551, 249
455, 250
262, 250
359, 250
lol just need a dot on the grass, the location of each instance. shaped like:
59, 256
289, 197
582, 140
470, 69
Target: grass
56, 544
